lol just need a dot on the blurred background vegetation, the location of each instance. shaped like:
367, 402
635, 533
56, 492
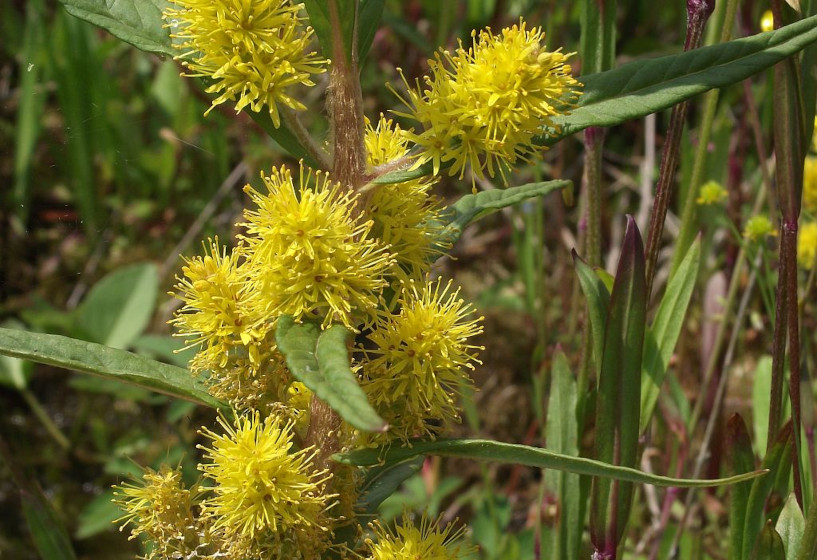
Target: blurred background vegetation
109, 171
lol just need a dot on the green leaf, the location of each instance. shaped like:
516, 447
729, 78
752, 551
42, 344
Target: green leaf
32, 98
487, 450
98, 516
665, 330
761, 389
598, 303
643, 87
472, 207
138, 22
562, 434
119, 307
769, 545
320, 360
47, 531
739, 458
619, 388
382, 482
285, 138
778, 462
87, 357
405, 175
790, 526
369, 14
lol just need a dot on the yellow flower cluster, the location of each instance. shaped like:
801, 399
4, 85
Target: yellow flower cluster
409, 542
266, 500
758, 228
711, 193
404, 215
482, 106
311, 254
252, 51
419, 363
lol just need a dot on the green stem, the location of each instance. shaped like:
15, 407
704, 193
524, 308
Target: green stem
689, 214
698, 12
297, 128
45, 420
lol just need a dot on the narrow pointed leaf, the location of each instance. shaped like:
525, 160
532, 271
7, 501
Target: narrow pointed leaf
562, 434
320, 360
87, 357
283, 136
769, 545
665, 330
472, 207
619, 386
487, 450
643, 87
739, 458
598, 303
138, 22
47, 531
778, 462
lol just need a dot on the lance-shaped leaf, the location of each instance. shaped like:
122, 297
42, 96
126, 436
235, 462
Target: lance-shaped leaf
665, 330
598, 303
472, 207
320, 360
778, 462
285, 138
87, 357
487, 450
619, 387
769, 545
739, 458
138, 22
643, 87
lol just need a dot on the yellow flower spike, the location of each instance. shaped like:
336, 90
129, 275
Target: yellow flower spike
482, 107
759, 227
310, 255
420, 361
810, 184
252, 50
409, 542
404, 215
711, 193
807, 245
261, 486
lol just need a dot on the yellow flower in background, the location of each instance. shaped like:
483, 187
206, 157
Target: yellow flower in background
758, 227
404, 215
252, 50
421, 360
310, 255
767, 21
409, 542
810, 184
711, 193
807, 245
261, 486
482, 107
